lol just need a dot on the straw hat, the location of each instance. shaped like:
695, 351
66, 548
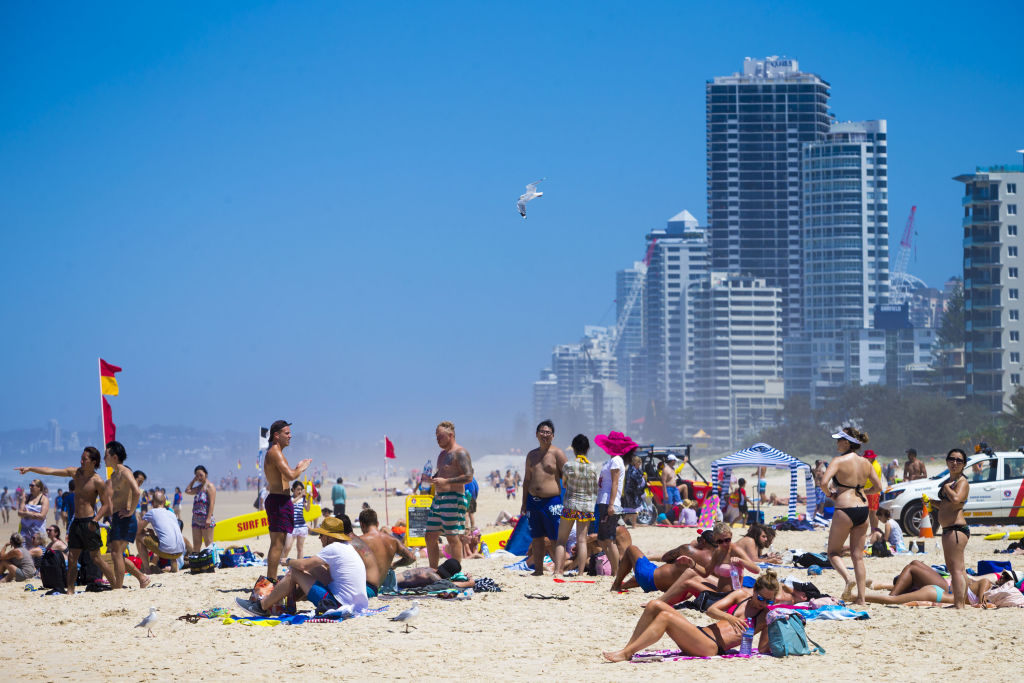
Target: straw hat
333, 527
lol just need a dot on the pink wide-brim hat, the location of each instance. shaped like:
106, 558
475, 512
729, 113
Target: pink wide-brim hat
615, 443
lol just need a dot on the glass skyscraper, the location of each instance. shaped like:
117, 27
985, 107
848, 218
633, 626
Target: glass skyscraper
757, 123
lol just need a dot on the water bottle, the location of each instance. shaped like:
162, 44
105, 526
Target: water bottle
484, 550
737, 580
747, 644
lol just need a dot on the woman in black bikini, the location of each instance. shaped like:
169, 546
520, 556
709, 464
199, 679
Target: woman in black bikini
844, 480
714, 639
955, 532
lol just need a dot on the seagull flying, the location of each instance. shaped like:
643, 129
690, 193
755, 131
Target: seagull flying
531, 193
148, 622
409, 615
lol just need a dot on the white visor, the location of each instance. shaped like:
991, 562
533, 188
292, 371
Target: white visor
843, 435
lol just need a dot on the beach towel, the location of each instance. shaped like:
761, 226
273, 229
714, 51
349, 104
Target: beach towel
708, 512
677, 655
337, 615
822, 613
519, 542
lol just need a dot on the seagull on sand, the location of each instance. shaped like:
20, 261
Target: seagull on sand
531, 193
409, 615
148, 622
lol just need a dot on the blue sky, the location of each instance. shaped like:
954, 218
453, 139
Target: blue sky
307, 210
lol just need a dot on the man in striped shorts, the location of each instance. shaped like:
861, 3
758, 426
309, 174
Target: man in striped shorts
448, 511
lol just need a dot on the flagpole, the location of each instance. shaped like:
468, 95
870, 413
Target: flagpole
387, 517
103, 426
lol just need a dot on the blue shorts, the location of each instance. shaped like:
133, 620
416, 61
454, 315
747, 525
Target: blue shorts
322, 598
123, 528
543, 520
672, 496
643, 572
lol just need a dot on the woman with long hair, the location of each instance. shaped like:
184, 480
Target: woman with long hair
844, 479
735, 613
202, 508
955, 533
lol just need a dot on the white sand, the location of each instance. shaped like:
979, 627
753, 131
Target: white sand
502, 636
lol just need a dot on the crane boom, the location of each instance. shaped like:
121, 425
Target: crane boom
898, 284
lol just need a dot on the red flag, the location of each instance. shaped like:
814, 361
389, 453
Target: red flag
108, 369
109, 428
389, 448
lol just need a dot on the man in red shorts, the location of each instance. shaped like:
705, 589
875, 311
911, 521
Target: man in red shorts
874, 496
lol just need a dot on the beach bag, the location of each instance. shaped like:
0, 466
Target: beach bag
786, 636
810, 560
1007, 595
201, 562
262, 589
88, 572
53, 571
235, 556
993, 566
880, 549
598, 565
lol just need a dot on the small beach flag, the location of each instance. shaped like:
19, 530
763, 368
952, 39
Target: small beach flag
109, 428
389, 448
108, 383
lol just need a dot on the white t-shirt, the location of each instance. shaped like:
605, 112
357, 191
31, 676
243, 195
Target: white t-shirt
605, 482
348, 575
168, 535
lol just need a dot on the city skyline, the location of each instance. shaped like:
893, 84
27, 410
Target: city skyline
266, 214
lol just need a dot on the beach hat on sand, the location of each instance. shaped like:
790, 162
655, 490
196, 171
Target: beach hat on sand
449, 568
615, 443
333, 527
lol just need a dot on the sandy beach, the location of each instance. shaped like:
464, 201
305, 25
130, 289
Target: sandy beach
502, 636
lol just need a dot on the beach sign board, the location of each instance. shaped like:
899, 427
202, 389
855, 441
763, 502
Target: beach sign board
417, 509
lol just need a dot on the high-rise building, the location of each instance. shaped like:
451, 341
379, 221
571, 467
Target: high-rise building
54, 430
757, 122
736, 357
629, 286
993, 203
678, 258
845, 244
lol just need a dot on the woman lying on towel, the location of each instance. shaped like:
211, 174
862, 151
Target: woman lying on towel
734, 612
919, 583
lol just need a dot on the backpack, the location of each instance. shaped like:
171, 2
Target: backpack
201, 562
880, 549
786, 636
53, 571
599, 565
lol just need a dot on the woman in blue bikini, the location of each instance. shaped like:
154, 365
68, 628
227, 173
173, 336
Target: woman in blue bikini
844, 480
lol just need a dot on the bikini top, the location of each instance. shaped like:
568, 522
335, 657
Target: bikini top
857, 489
942, 487
734, 608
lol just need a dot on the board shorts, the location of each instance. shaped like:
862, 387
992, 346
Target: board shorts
280, 513
873, 500
544, 514
81, 536
605, 527
153, 546
578, 515
447, 513
643, 572
123, 528
322, 598
672, 495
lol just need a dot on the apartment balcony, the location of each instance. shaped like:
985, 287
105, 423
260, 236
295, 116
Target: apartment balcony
969, 199
975, 219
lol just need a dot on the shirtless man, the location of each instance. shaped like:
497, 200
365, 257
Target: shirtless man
84, 532
448, 511
542, 490
123, 491
914, 468
382, 548
646, 574
278, 503
713, 557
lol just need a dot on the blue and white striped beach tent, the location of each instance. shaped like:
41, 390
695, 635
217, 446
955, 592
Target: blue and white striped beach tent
763, 455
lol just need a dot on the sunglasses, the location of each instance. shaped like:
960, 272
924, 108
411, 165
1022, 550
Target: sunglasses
761, 598
719, 541
956, 461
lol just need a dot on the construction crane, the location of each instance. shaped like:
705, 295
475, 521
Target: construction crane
635, 291
901, 282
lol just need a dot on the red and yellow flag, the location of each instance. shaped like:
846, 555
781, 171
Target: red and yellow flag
108, 383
